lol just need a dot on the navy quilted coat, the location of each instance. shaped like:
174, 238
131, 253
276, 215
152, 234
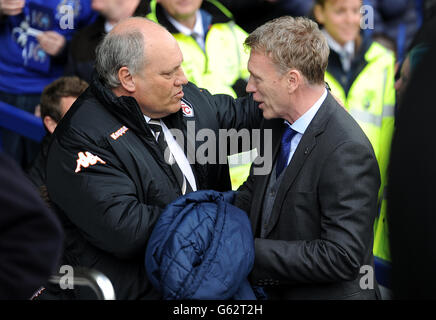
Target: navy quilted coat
201, 248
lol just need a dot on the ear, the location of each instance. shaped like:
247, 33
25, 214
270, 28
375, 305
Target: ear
318, 12
50, 124
126, 80
294, 80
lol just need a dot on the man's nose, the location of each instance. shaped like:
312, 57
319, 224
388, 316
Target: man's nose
181, 78
250, 88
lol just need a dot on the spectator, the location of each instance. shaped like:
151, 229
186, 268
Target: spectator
398, 20
411, 205
81, 54
420, 46
213, 55
312, 223
410, 63
113, 165
33, 36
30, 237
56, 100
381, 230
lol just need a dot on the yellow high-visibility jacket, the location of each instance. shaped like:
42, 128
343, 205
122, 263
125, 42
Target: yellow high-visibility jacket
368, 93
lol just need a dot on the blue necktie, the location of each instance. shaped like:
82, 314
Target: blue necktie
285, 148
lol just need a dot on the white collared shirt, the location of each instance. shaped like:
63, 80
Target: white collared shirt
301, 124
197, 32
345, 52
178, 154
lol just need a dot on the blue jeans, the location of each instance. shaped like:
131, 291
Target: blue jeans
23, 150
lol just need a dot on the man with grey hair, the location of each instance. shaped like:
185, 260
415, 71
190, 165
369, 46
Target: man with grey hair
107, 171
313, 214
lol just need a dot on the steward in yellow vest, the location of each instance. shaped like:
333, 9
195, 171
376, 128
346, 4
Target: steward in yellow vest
361, 74
368, 93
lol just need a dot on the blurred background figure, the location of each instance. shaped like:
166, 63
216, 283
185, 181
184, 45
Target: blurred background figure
33, 38
412, 60
30, 235
396, 21
411, 192
420, 46
212, 44
81, 55
56, 100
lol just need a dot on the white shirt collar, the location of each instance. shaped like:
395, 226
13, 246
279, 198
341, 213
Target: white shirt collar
301, 124
198, 27
345, 52
197, 32
334, 45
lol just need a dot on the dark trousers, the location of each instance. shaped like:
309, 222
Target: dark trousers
22, 150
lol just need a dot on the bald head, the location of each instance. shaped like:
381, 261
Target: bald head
141, 59
138, 23
129, 44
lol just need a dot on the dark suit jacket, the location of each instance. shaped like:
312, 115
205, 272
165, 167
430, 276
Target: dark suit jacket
321, 229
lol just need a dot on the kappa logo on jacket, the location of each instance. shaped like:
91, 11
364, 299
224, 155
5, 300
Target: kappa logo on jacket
87, 159
187, 109
119, 132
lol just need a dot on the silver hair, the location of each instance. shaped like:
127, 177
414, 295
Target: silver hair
118, 50
293, 43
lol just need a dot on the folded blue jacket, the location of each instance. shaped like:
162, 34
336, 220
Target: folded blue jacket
201, 248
